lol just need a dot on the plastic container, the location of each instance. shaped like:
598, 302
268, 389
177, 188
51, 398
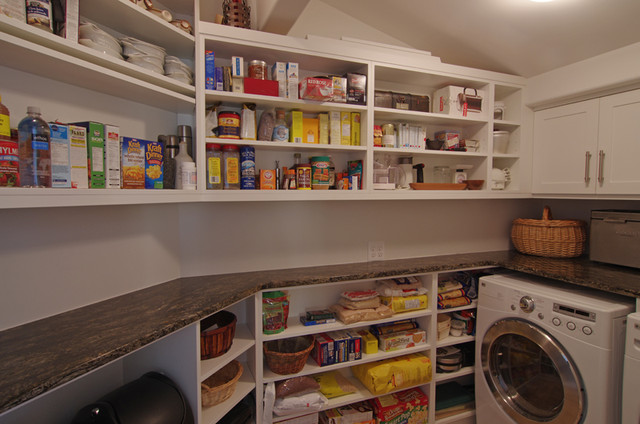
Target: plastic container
229, 125
231, 167
214, 167
39, 14
500, 141
189, 175
458, 328
442, 174
34, 150
320, 179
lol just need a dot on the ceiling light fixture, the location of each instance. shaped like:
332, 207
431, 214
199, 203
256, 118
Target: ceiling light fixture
541, 1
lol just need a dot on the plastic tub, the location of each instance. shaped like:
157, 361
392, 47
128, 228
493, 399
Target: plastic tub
458, 327
500, 141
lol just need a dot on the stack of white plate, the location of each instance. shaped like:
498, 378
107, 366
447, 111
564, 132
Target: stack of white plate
91, 36
178, 70
146, 55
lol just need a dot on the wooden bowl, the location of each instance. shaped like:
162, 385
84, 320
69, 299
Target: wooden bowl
474, 184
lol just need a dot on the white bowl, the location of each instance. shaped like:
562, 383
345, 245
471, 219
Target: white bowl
137, 58
174, 65
132, 46
142, 62
100, 48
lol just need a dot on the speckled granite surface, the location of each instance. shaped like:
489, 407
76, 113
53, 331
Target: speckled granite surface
43, 354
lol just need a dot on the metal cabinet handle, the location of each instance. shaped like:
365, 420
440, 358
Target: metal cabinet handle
587, 162
601, 166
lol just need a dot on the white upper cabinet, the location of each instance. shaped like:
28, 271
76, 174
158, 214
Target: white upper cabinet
588, 147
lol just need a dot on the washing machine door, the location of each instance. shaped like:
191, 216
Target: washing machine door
530, 374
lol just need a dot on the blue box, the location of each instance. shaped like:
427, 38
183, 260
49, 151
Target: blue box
219, 79
209, 70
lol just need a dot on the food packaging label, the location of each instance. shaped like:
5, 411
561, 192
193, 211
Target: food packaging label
320, 89
402, 340
335, 128
237, 66
60, 156
323, 350
339, 89
369, 342
355, 129
279, 73
133, 163
296, 126
293, 75
153, 165
14, 9
310, 130
356, 88
112, 156
78, 156
402, 407
345, 125
95, 153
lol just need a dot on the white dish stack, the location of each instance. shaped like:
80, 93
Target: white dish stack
93, 37
146, 55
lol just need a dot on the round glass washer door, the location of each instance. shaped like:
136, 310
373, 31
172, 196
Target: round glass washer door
530, 374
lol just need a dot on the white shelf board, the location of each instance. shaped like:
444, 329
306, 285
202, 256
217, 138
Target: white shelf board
412, 116
425, 152
312, 367
285, 146
453, 340
229, 97
35, 51
134, 21
446, 376
472, 305
244, 386
296, 328
242, 341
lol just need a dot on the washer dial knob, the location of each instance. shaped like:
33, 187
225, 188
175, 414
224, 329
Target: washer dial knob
527, 304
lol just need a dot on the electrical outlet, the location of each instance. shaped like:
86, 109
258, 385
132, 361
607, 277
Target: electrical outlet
376, 250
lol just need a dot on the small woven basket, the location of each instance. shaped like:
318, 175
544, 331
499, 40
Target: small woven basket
288, 356
221, 385
216, 342
548, 237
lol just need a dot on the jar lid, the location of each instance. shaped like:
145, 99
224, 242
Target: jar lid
258, 62
211, 146
320, 158
228, 112
230, 147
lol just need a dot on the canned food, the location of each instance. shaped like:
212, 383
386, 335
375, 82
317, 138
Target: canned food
303, 176
247, 168
258, 69
229, 125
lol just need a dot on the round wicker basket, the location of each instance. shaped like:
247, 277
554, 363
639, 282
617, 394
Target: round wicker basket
548, 237
221, 385
288, 356
216, 342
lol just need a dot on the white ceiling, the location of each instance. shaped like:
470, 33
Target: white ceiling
518, 37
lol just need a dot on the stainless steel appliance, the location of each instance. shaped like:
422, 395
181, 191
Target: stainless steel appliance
615, 237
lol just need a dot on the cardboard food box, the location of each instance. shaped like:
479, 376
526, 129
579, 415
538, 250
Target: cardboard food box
279, 73
296, 129
14, 9
323, 351
369, 342
405, 303
95, 152
323, 128
355, 129
60, 156
354, 413
262, 87
399, 408
133, 163
356, 88
293, 75
320, 89
401, 340
339, 89
345, 125
335, 127
112, 156
153, 168
78, 156
237, 66
267, 179
449, 100
355, 345
209, 70
310, 130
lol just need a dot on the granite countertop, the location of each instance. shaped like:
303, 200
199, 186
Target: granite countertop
44, 354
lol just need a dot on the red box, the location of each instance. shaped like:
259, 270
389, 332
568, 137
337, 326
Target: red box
396, 408
259, 86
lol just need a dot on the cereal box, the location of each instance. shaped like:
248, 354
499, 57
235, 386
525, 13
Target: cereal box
310, 130
133, 163
405, 407
345, 125
78, 155
112, 156
153, 164
60, 158
209, 70
355, 128
335, 127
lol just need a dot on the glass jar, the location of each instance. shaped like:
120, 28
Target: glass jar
441, 174
498, 110
258, 69
231, 167
214, 167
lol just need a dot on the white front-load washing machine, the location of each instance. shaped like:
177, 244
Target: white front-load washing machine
547, 352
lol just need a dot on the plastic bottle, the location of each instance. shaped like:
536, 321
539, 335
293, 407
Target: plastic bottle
181, 158
280, 129
188, 175
34, 149
214, 167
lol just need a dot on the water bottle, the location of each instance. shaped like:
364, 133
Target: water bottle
34, 149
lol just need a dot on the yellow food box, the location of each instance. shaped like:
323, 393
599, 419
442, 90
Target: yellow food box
405, 303
323, 128
296, 131
345, 124
369, 342
310, 130
355, 128
393, 374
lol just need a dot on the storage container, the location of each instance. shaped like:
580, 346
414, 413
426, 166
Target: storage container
383, 99
500, 142
450, 100
615, 237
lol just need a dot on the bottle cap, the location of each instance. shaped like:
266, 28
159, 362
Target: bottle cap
33, 109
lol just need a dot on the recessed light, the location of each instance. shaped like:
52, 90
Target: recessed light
541, 1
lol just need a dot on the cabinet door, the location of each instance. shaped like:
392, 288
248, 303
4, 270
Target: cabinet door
564, 148
619, 144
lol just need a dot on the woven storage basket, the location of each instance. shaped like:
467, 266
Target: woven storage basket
216, 342
221, 385
548, 237
288, 356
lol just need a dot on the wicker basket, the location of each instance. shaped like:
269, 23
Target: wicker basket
288, 356
221, 385
216, 342
548, 237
